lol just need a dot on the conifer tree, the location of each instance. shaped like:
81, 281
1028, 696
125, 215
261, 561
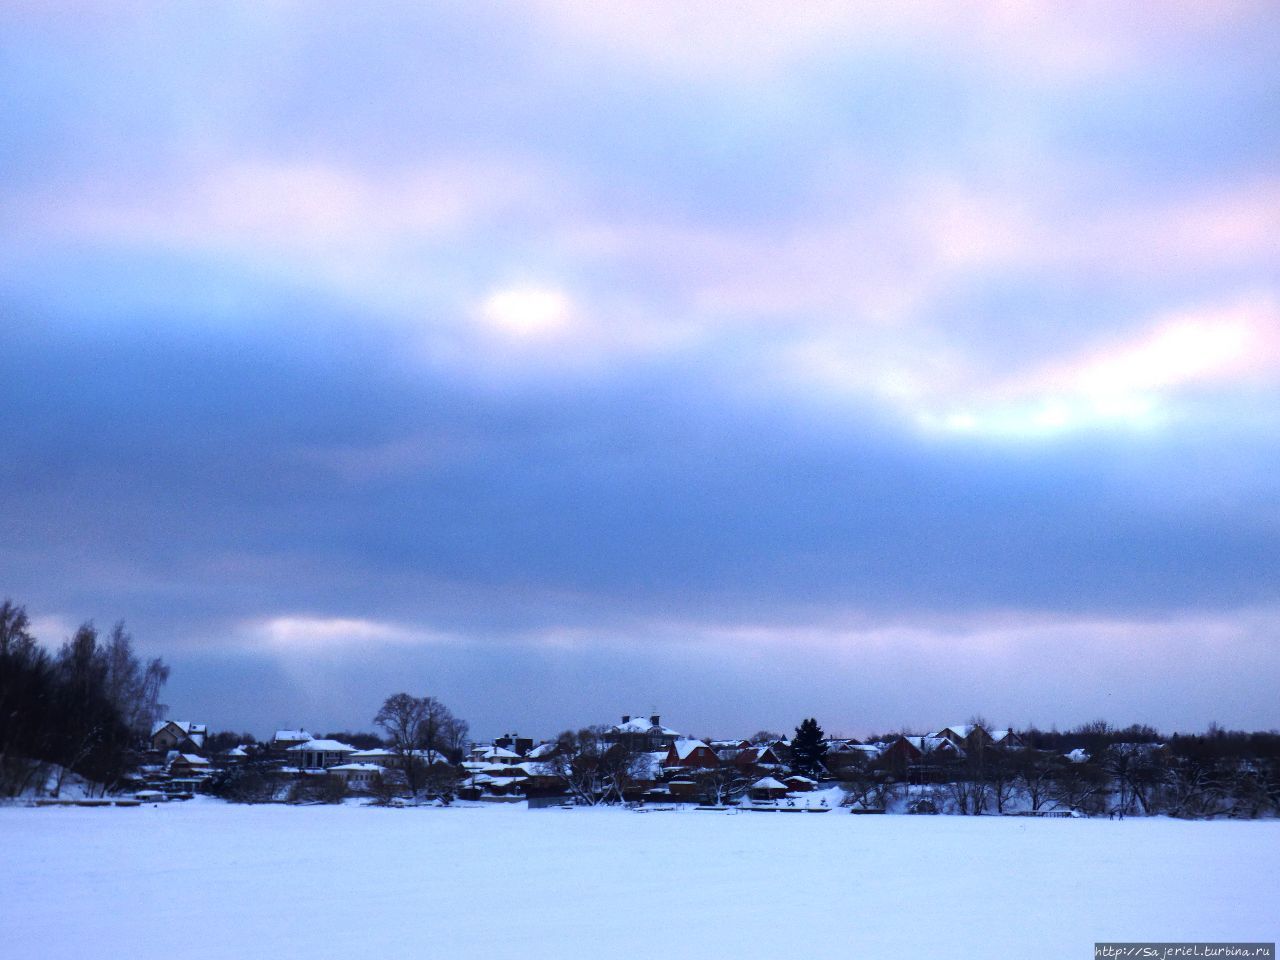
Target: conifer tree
808, 748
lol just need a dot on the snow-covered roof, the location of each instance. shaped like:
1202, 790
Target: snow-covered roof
500, 753
370, 767
842, 743
801, 778
191, 759
195, 731
292, 735
374, 752
541, 750
1078, 755
963, 732
323, 746
533, 769
684, 748
642, 725
768, 783
998, 735
238, 751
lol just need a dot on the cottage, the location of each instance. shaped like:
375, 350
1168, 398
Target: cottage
764, 757
691, 753
767, 788
189, 766
178, 735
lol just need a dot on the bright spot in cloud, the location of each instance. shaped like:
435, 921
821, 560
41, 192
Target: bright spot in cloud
1131, 382
527, 312
310, 633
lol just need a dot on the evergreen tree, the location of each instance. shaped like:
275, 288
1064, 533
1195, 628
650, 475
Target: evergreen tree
808, 748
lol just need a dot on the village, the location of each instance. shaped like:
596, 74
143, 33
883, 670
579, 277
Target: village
642, 763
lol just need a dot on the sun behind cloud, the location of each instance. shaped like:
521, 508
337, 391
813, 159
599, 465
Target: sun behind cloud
527, 312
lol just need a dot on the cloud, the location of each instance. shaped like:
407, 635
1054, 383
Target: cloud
1045, 42
302, 633
1131, 382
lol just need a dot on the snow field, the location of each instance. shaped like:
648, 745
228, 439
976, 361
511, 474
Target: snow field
210, 880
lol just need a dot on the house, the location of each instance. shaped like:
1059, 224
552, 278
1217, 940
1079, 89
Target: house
501, 756
358, 777
285, 740
728, 750
178, 735
762, 758
319, 754
637, 735
905, 753
852, 756
971, 737
541, 752
1008, 739
189, 766
691, 753
514, 742
237, 755
767, 788
540, 779
379, 755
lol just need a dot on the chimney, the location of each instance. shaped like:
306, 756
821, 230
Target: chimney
653, 721
626, 718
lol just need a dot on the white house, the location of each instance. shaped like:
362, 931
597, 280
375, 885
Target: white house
319, 754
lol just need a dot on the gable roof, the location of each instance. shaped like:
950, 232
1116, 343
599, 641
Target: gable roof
291, 735
195, 732
768, 783
684, 748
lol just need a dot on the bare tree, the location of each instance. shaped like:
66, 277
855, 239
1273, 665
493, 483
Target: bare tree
578, 761
403, 718
1036, 770
422, 733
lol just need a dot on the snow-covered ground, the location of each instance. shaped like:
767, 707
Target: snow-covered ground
208, 880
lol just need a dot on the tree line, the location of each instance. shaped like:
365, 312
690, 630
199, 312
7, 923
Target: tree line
86, 709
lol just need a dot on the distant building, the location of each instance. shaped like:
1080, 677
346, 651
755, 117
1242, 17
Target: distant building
319, 754
178, 735
286, 740
691, 753
640, 736
515, 743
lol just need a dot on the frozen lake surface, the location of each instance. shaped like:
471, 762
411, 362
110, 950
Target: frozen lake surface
208, 880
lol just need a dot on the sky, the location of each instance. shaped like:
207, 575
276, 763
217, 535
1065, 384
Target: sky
888, 364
